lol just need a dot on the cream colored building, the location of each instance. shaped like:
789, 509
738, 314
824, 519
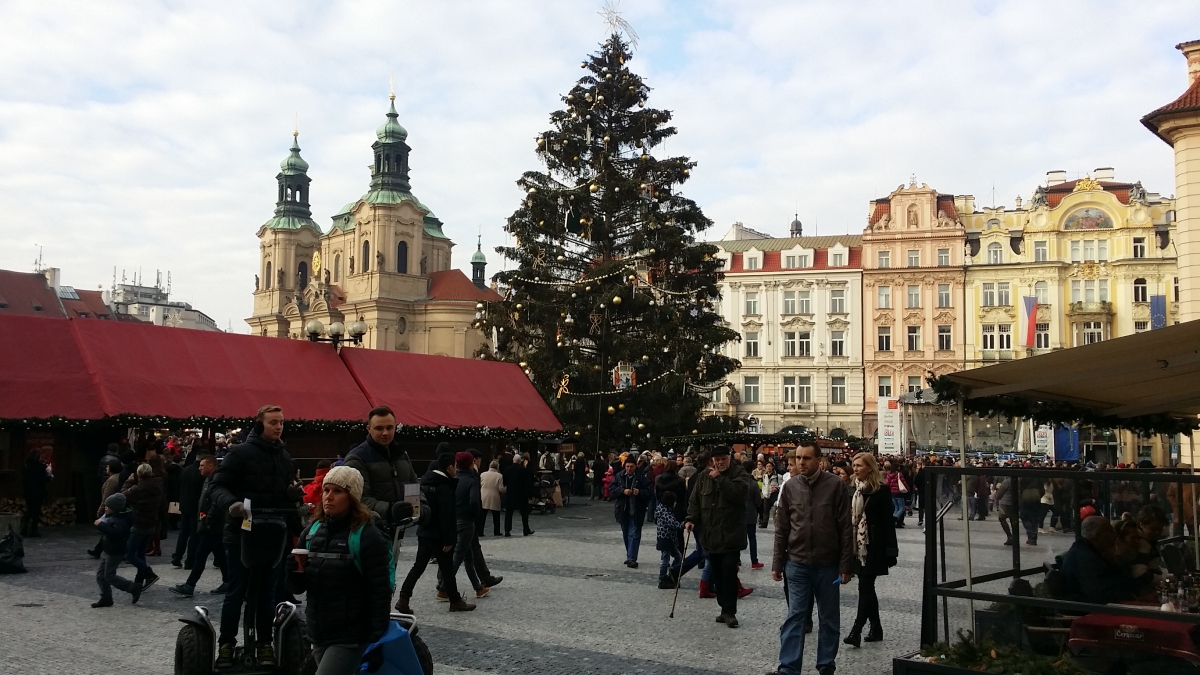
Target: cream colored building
1178, 123
797, 303
913, 281
384, 261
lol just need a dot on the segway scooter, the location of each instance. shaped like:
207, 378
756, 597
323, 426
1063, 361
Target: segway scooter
263, 546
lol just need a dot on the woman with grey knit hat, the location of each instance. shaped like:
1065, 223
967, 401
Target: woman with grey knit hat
347, 572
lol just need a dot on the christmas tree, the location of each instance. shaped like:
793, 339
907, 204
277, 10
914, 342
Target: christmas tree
610, 310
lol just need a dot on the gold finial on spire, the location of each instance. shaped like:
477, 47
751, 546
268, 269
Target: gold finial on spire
392, 88
296, 126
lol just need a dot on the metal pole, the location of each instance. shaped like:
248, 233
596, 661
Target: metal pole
962, 458
1195, 530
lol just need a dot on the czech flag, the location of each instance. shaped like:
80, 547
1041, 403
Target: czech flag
1031, 305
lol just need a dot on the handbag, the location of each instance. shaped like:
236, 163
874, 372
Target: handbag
901, 485
173, 509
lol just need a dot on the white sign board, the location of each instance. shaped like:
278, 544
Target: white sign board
889, 426
1043, 439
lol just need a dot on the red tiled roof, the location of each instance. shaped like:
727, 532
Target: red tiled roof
1056, 193
1188, 102
454, 285
28, 294
771, 262
882, 207
89, 305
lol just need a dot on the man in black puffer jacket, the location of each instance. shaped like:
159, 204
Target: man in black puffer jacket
190, 485
436, 534
261, 471
384, 466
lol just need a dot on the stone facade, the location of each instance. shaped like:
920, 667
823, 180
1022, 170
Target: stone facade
385, 261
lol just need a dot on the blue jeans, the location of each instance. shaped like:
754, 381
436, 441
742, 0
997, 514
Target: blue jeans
803, 582
669, 560
135, 553
631, 532
898, 507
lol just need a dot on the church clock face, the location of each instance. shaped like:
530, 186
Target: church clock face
316, 262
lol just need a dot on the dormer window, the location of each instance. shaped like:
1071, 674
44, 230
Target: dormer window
752, 262
837, 259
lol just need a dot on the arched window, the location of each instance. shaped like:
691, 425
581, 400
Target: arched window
366, 257
402, 257
1042, 292
268, 274
995, 253
303, 272
337, 268
1139, 291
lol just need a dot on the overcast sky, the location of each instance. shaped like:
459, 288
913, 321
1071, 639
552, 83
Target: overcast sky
147, 135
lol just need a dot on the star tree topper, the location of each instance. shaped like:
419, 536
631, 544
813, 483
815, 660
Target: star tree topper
616, 23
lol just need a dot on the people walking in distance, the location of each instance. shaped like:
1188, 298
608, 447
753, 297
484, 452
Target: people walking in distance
631, 492
717, 511
143, 494
35, 476
875, 548
209, 522
771, 482
519, 482
491, 488
114, 525
191, 482
437, 533
669, 541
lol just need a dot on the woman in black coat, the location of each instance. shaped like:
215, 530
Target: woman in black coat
35, 476
875, 549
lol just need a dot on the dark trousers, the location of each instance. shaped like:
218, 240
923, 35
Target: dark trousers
1030, 517
752, 542
207, 543
430, 549
465, 552
508, 514
135, 553
597, 488
495, 521
1008, 518
107, 577
724, 570
767, 507
868, 603
240, 580
185, 545
30, 519
480, 522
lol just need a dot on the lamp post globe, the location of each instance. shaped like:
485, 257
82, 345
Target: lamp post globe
358, 329
314, 328
337, 329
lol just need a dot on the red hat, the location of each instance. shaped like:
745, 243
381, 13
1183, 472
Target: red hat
464, 461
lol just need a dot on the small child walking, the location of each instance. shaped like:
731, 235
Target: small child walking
114, 525
670, 540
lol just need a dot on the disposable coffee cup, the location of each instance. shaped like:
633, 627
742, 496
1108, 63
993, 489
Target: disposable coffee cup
301, 555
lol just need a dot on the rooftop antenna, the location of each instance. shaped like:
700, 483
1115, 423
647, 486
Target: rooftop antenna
37, 264
993, 194
168, 282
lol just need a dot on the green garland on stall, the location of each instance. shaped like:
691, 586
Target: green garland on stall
1057, 412
403, 431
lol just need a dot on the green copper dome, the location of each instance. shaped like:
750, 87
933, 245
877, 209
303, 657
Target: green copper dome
294, 164
479, 257
391, 131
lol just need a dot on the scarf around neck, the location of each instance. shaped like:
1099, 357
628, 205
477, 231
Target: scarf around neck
859, 518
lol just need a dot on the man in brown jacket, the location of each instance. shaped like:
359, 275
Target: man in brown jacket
814, 548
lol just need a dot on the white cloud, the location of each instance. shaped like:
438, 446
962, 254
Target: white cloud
148, 135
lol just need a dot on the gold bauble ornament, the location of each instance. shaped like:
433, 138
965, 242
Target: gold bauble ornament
576, 433
621, 406
595, 368
616, 299
593, 188
608, 139
587, 288
695, 431
523, 364
520, 306
641, 426
612, 410
687, 172
646, 358
541, 142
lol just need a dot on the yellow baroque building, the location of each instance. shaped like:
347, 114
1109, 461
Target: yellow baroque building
385, 262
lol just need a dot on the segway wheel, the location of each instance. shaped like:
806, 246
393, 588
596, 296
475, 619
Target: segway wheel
423, 654
193, 651
297, 657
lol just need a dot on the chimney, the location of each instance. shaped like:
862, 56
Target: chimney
1055, 177
1191, 52
1104, 173
964, 204
52, 277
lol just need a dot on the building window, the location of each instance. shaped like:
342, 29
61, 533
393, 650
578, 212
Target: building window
1139, 290
839, 260
752, 344
914, 383
885, 259
943, 295
269, 275
1102, 287
402, 257
337, 268
1041, 336
1004, 330
752, 303
914, 297
789, 389
1102, 250
1041, 251
803, 261
789, 261
1139, 247
989, 294
885, 386
1176, 287
1075, 251
837, 343
789, 302
1041, 291
945, 339
837, 301
366, 256
1089, 290
989, 337
1141, 326
750, 389
805, 393
1002, 296
143, 310
805, 303
1093, 332
715, 395
837, 390
885, 339
914, 258
804, 343
1089, 249
914, 338
751, 262
884, 300
789, 343
943, 257
1076, 293
302, 273
995, 253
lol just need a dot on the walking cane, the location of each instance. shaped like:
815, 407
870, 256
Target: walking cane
679, 576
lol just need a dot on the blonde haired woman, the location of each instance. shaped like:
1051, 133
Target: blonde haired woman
875, 549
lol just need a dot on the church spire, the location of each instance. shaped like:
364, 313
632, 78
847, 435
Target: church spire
478, 263
391, 154
291, 207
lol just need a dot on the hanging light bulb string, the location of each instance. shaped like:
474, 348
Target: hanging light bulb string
639, 385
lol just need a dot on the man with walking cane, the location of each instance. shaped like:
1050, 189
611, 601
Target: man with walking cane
717, 511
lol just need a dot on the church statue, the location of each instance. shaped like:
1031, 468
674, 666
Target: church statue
326, 276
1137, 193
1039, 198
379, 260
885, 221
913, 220
352, 264
424, 265
734, 398
256, 282
281, 278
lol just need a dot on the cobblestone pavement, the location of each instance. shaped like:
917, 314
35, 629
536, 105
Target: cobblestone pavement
567, 605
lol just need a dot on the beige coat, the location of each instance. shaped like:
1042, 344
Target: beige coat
491, 486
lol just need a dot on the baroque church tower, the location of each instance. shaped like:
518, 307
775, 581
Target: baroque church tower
385, 261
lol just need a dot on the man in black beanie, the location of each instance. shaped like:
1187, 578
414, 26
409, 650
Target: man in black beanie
437, 532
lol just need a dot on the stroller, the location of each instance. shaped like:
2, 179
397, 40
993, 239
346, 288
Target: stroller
544, 501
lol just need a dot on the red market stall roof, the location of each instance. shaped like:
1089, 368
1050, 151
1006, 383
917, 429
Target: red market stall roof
42, 373
443, 391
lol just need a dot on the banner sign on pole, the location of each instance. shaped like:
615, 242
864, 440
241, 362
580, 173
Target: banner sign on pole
888, 410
